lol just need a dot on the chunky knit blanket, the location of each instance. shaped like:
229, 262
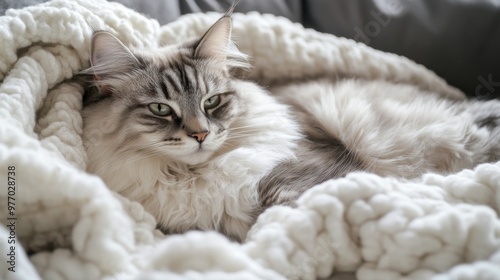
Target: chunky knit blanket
59, 222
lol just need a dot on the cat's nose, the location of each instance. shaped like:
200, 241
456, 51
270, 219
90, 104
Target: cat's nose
200, 136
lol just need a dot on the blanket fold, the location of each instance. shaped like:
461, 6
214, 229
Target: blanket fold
436, 227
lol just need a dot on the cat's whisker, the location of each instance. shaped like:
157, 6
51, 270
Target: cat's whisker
245, 128
228, 144
135, 150
238, 137
242, 135
245, 131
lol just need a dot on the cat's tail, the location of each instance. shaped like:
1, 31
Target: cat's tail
486, 115
393, 130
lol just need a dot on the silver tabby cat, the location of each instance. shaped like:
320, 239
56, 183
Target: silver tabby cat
175, 130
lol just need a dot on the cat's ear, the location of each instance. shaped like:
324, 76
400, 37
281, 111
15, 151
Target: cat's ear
110, 56
216, 45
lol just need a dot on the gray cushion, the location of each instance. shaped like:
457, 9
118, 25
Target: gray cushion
459, 40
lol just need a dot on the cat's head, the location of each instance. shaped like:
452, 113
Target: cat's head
177, 101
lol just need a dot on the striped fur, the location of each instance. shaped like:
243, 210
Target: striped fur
258, 149
153, 160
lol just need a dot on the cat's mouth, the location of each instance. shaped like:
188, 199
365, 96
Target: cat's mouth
195, 152
199, 156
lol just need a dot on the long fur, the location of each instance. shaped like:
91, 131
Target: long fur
395, 130
262, 149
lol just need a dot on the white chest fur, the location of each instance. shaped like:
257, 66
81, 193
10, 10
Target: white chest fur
218, 195
183, 198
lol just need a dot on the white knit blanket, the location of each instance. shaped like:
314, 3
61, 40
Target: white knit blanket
441, 227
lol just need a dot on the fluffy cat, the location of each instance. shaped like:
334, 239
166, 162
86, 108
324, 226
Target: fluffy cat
175, 130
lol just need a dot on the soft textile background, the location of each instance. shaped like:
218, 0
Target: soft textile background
439, 227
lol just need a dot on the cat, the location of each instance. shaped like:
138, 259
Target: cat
176, 130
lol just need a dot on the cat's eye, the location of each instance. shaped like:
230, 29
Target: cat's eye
160, 109
212, 102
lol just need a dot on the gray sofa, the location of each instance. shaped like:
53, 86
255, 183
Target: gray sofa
457, 39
